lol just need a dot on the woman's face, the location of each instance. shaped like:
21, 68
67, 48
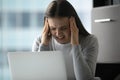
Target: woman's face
60, 30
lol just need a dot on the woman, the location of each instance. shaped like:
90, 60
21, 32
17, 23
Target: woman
64, 31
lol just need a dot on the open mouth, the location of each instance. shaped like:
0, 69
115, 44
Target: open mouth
60, 38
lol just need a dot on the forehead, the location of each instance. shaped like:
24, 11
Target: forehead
58, 21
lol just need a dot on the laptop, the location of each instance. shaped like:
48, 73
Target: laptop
44, 65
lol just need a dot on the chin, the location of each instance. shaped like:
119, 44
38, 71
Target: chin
62, 42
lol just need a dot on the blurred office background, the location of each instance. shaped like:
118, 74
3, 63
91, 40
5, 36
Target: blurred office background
21, 21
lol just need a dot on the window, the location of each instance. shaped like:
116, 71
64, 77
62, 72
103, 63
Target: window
0, 19
25, 21
40, 19
11, 19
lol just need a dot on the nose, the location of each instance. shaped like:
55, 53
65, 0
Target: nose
58, 32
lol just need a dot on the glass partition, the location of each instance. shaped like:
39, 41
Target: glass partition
21, 21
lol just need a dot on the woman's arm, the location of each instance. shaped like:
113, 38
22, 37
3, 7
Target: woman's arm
38, 46
42, 43
36, 43
84, 59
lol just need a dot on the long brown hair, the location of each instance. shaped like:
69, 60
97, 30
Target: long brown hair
63, 8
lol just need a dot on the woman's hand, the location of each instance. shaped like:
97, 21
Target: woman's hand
46, 36
74, 32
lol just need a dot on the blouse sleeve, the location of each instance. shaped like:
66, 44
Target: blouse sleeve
37, 46
36, 43
85, 58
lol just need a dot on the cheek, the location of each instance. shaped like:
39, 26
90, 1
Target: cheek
52, 33
67, 33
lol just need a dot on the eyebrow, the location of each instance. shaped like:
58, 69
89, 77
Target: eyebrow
64, 26
60, 26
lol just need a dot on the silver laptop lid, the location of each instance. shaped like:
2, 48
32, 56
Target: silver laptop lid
45, 65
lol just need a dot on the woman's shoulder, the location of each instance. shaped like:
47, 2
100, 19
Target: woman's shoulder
37, 39
90, 39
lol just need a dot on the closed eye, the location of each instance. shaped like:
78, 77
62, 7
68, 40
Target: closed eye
63, 28
52, 28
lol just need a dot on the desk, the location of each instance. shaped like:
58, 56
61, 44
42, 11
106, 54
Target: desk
107, 71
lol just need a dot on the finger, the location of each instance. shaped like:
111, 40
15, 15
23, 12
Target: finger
71, 23
45, 29
74, 24
47, 26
